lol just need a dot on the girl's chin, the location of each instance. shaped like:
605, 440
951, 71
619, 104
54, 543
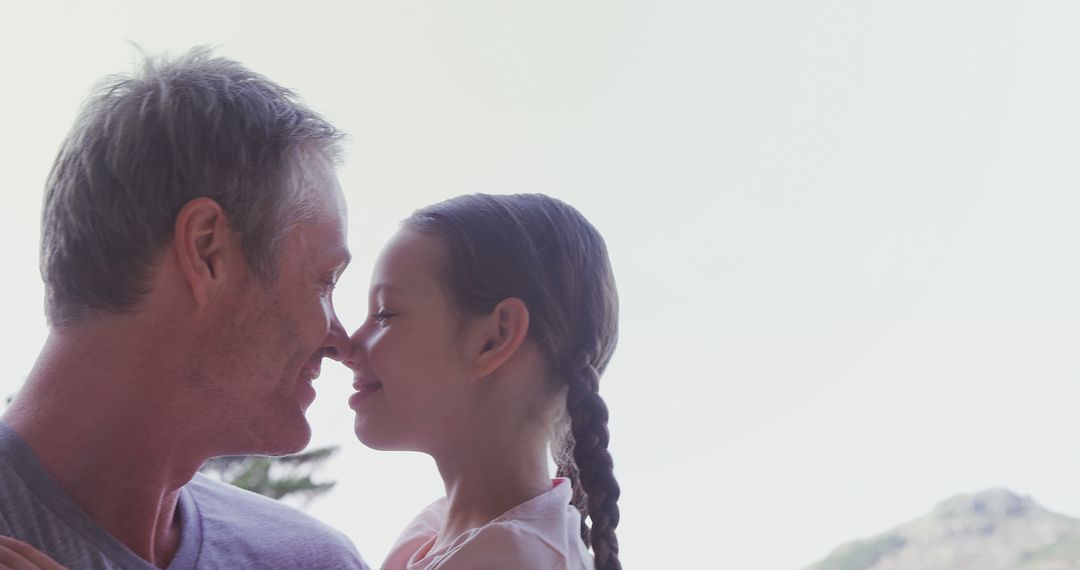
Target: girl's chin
376, 439
397, 434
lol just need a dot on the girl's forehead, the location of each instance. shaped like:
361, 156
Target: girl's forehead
408, 247
408, 265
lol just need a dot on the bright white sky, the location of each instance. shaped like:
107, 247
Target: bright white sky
846, 233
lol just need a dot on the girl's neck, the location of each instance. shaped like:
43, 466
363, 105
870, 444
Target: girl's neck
487, 479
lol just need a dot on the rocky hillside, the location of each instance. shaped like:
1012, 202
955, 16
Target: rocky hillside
991, 530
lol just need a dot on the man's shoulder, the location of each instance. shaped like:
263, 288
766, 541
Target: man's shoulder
220, 502
215, 495
236, 520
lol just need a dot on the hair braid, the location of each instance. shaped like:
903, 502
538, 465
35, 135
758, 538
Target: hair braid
595, 469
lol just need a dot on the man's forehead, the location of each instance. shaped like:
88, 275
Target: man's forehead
320, 188
319, 243
323, 197
323, 235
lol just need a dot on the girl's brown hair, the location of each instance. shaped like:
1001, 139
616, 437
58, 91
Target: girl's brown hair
544, 252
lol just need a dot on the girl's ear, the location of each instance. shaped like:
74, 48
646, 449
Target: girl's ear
499, 335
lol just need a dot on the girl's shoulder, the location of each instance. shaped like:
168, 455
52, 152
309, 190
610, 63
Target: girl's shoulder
542, 533
539, 534
513, 544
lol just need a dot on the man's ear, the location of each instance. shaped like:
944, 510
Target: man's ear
499, 335
200, 239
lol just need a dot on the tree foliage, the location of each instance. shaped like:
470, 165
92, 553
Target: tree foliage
289, 476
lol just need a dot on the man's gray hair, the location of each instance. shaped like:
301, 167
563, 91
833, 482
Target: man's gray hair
146, 144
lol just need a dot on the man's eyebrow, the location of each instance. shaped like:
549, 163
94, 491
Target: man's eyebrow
345, 261
346, 258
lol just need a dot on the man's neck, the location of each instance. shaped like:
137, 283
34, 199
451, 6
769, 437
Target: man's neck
110, 446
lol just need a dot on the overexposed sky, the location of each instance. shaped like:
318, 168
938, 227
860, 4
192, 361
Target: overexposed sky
846, 233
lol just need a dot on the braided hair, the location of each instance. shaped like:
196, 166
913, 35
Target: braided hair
544, 252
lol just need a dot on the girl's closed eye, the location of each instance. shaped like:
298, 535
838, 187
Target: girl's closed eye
381, 316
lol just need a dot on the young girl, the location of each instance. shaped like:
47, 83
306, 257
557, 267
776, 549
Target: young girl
491, 321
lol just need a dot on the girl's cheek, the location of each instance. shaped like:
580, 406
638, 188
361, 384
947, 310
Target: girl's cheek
381, 349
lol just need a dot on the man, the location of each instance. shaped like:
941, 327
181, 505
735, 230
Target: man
192, 233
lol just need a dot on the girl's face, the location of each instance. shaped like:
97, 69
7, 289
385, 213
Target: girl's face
409, 358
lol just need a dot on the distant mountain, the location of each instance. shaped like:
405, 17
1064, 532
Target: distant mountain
991, 530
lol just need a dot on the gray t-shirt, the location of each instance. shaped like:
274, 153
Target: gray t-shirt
221, 526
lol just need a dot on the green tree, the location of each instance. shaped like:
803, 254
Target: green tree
289, 476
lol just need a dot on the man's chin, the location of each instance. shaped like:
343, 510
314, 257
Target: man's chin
288, 433
291, 441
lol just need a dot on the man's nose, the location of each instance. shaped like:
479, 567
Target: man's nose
336, 345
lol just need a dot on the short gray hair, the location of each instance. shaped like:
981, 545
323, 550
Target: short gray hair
146, 144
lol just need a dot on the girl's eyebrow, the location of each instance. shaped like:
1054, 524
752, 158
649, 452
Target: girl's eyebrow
379, 287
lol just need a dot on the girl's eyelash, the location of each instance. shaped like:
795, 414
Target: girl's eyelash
381, 315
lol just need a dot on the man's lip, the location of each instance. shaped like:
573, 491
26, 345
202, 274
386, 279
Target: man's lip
310, 373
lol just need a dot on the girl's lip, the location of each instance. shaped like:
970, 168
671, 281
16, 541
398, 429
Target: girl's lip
363, 391
360, 384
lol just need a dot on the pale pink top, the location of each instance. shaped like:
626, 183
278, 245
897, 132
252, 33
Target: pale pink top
543, 533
